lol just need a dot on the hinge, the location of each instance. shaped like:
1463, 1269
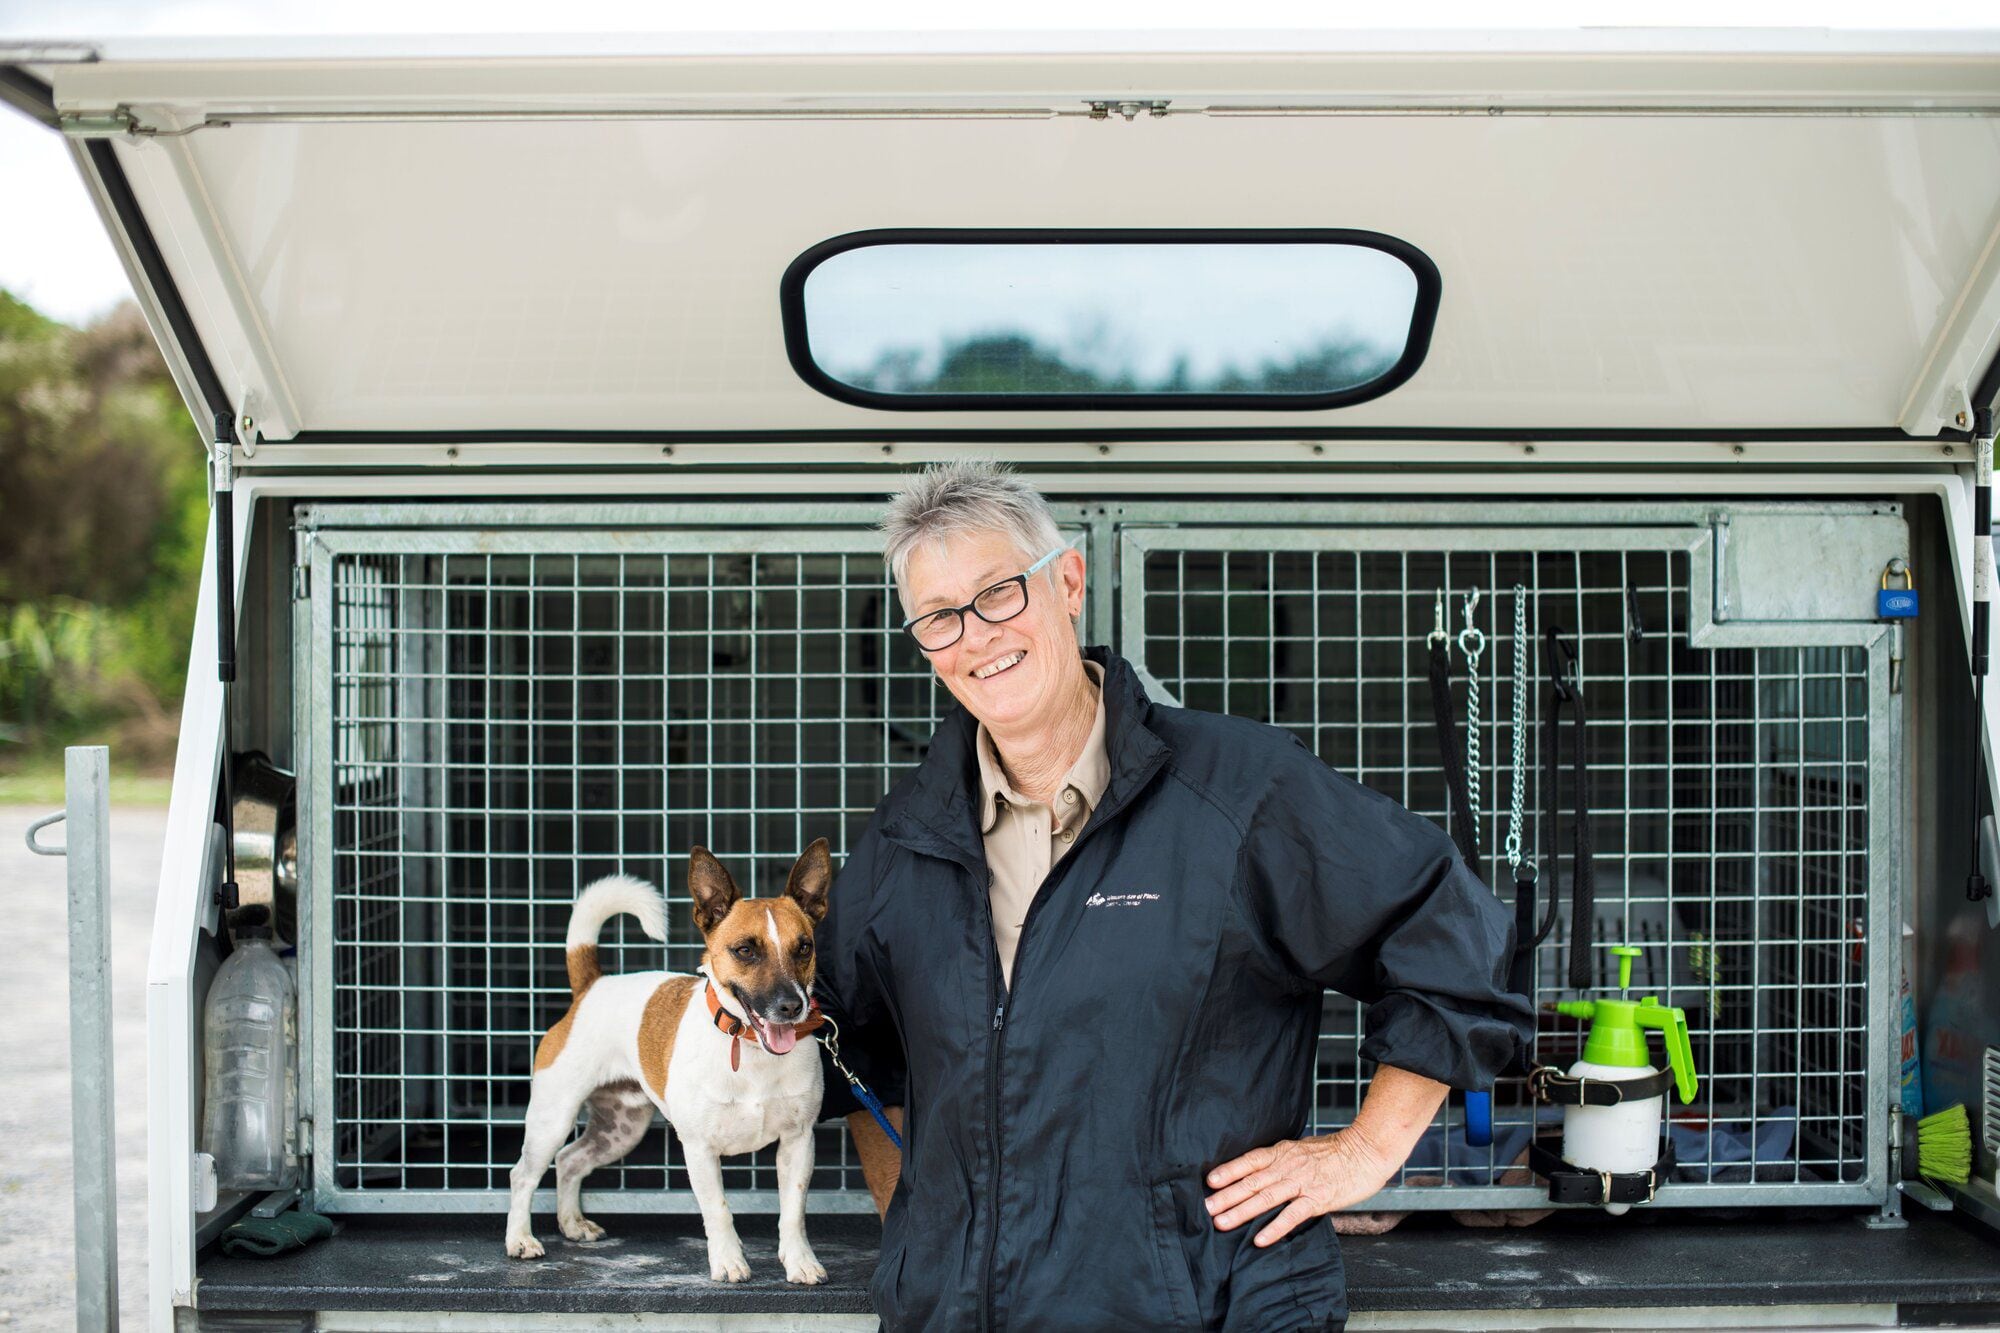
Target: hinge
115, 124
1718, 523
1989, 1102
302, 543
1102, 109
118, 123
1957, 407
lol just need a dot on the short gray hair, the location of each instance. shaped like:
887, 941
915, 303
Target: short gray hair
961, 498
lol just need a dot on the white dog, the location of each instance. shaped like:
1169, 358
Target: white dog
719, 1053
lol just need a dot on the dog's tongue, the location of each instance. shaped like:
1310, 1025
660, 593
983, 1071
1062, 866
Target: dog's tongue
778, 1037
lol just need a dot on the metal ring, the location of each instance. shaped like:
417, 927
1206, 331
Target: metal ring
37, 827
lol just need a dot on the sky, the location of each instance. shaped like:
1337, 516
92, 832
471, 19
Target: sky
53, 252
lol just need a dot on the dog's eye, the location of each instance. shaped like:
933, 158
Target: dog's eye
746, 951
804, 948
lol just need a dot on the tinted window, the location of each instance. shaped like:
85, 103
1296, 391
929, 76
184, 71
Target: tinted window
939, 321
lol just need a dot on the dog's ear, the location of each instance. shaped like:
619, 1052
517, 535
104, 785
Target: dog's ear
811, 877
713, 891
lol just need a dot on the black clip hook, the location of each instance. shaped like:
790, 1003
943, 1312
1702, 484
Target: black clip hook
1562, 664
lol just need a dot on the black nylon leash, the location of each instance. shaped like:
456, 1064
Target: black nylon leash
1463, 833
1565, 691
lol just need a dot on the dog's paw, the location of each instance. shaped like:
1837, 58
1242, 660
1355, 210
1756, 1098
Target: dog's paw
580, 1227
524, 1247
728, 1267
802, 1266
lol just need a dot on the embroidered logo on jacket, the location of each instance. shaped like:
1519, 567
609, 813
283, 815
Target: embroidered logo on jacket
1120, 899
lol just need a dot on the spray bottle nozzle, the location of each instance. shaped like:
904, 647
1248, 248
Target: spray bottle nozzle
1626, 953
1617, 1028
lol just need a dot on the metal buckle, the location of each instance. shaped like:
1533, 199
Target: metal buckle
1604, 1184
1652, 1184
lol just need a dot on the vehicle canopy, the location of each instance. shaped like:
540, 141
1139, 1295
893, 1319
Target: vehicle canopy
1789, 236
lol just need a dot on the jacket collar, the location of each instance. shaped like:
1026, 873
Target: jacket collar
939, 814
1087, 777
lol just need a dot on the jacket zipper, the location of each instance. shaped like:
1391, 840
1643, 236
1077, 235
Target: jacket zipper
993, 993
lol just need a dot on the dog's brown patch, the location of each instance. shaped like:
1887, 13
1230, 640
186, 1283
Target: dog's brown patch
583, 974
658, 1027
557, 1038
747, 922
583, 969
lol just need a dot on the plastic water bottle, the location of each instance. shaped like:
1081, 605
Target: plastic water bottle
248, 1035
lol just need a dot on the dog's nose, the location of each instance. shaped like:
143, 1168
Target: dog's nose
788, 1010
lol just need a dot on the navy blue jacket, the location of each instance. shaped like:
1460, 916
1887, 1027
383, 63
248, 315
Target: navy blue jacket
1163, 1017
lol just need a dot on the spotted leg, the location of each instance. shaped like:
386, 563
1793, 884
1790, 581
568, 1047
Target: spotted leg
619, 1115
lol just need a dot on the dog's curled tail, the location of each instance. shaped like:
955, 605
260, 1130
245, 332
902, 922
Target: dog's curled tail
606, 898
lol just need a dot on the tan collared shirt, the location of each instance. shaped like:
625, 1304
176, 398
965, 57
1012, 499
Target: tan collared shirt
1024, 838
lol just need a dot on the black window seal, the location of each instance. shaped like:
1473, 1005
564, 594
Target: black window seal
33, 98
28, 95
1423, 318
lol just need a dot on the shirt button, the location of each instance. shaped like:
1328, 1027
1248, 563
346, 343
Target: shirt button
1069, 796
1068, 835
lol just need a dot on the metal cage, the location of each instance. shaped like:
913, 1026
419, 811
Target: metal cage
499, 703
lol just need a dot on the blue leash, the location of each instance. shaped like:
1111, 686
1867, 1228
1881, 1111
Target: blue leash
861, 1090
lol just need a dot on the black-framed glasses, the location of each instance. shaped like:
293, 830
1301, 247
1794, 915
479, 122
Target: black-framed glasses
938, 630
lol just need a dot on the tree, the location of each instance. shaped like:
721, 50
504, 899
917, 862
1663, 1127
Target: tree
102, 513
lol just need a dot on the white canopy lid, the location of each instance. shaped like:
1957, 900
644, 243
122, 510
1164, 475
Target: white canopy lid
1736, 232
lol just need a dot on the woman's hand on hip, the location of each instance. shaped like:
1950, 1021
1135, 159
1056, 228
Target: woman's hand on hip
1307, 1177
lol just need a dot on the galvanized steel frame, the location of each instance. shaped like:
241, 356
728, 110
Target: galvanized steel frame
1689, 529
1109, 528
325, 534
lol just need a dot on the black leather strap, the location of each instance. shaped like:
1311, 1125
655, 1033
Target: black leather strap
1571, 1184
1451, 755
1564, 689
1551, 1085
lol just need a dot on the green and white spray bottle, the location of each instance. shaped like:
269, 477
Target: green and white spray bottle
1624, 1138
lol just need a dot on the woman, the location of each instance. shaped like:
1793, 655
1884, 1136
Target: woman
1086, 941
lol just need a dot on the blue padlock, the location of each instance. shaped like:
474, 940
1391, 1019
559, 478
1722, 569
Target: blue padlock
1897, 603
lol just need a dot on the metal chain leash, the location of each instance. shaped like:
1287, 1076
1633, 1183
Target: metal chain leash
1519, 724
1472, 642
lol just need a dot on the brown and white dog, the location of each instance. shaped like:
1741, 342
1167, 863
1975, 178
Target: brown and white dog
723, 1054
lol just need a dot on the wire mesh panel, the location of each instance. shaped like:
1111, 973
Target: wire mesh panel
510, 715
1728, 798
504, 706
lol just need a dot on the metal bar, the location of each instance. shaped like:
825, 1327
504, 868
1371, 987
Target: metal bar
87, 795
618, 1201
1165, 512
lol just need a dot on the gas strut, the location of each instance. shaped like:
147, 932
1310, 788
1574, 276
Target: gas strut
1976, 887
225, 640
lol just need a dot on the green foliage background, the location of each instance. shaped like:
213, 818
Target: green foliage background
103, 513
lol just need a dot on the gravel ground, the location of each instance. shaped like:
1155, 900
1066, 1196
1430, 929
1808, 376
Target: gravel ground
37, 1239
